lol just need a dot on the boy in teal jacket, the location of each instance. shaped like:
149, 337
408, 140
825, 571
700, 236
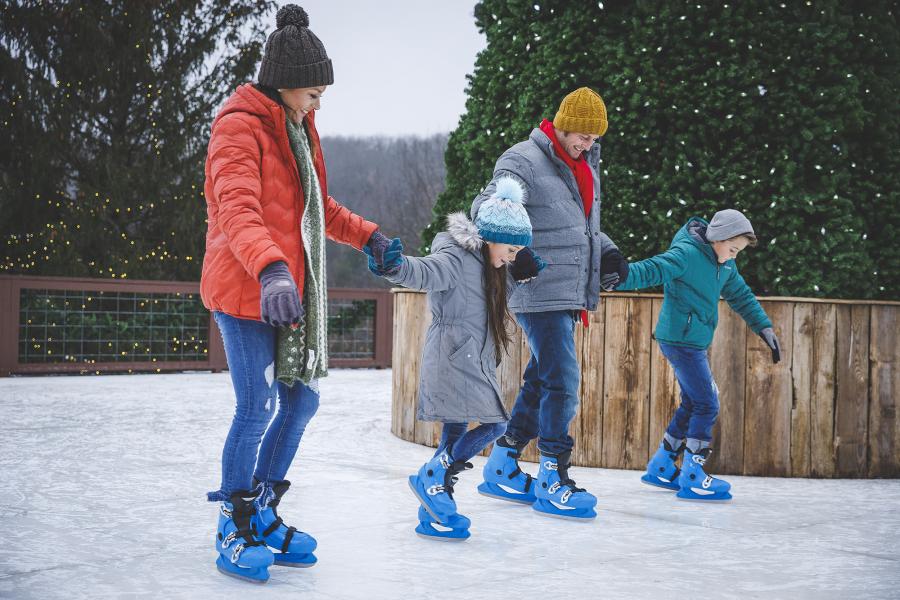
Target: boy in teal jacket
695, 271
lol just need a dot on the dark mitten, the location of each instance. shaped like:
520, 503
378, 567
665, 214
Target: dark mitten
613, 262
527, 265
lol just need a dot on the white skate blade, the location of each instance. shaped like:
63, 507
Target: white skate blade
508, 499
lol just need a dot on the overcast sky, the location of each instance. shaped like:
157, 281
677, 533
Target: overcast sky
400, 66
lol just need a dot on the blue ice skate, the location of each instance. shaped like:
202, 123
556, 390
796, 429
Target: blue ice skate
433, 486
241, 553
294, 548
662, 470
503, 478
557, 495
456, 528
696, 484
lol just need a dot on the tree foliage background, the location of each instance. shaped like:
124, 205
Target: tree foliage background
784, 110
106, 109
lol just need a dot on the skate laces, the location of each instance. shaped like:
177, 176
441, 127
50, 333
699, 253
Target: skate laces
565, 480
450, 479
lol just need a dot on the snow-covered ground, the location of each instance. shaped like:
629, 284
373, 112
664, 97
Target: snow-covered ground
103, 496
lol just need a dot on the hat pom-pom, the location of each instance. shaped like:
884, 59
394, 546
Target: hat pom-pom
291, 14
509, 189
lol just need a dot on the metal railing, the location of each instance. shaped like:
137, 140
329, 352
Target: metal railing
64, 325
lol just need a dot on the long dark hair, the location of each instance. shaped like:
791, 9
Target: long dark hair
495, 293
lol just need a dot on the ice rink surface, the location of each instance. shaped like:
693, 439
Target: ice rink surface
103, 496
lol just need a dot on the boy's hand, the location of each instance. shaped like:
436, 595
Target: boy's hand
768, 336
609, 282
527, 265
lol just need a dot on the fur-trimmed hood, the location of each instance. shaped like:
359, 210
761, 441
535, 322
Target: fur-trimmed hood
464, 232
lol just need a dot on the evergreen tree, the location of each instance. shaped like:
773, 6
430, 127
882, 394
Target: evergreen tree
106, 111
784, 110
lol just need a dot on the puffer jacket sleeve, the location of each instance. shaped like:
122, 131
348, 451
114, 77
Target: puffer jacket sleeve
434, 273
510, 164
346, 227
235, 172
742, 301
606, 244
656, 270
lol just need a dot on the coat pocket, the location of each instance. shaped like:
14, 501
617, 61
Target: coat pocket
562, 280
465, 351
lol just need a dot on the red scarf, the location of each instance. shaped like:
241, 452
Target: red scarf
580, 169
583, 177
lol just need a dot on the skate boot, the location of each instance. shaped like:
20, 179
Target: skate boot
557, 494
503, 478
433, 486
456, 528
695, 484
294, 548
241, 553
662, 470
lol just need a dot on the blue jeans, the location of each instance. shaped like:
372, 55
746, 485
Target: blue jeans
696, 415
248, 453
548, 399
462, 444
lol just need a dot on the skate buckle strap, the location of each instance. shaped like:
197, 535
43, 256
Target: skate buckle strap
249, 540
225, 511
229, 539
275, 525
287, 539
435, 489
236, 555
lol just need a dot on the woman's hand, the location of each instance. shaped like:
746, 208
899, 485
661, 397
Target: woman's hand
279, 298
391, 257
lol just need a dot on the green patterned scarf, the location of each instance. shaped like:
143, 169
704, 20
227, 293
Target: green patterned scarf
302, 353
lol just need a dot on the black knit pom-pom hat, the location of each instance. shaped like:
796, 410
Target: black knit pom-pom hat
294, 56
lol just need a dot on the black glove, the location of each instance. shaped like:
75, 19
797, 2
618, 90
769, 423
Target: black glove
527, 265
768, 336
279, 298
612, 263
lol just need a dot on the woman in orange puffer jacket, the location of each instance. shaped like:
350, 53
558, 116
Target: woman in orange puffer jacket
269, 213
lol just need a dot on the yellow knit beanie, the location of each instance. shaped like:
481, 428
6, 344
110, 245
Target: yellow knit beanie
582, 111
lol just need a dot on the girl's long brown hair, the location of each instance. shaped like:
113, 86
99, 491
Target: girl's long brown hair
495, 293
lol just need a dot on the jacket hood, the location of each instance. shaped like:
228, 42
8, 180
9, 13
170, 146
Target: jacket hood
462, 231
694, 232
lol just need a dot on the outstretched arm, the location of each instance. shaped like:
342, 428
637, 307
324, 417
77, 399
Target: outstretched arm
656, 270
434, 273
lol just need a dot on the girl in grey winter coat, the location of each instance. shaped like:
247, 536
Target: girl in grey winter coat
466, 279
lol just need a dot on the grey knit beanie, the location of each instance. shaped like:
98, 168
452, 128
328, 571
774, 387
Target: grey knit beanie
294, 57
727, 224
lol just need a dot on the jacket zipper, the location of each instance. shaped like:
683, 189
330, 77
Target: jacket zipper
687, 326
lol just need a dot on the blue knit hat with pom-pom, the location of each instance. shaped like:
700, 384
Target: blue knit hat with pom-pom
502, 218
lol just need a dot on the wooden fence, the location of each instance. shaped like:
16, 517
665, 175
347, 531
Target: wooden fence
15, 324
830, 408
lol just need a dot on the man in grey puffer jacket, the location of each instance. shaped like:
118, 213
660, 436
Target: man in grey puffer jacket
558, 167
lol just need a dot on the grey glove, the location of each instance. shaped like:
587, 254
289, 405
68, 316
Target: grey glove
768, 336
279, 298
609, 282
